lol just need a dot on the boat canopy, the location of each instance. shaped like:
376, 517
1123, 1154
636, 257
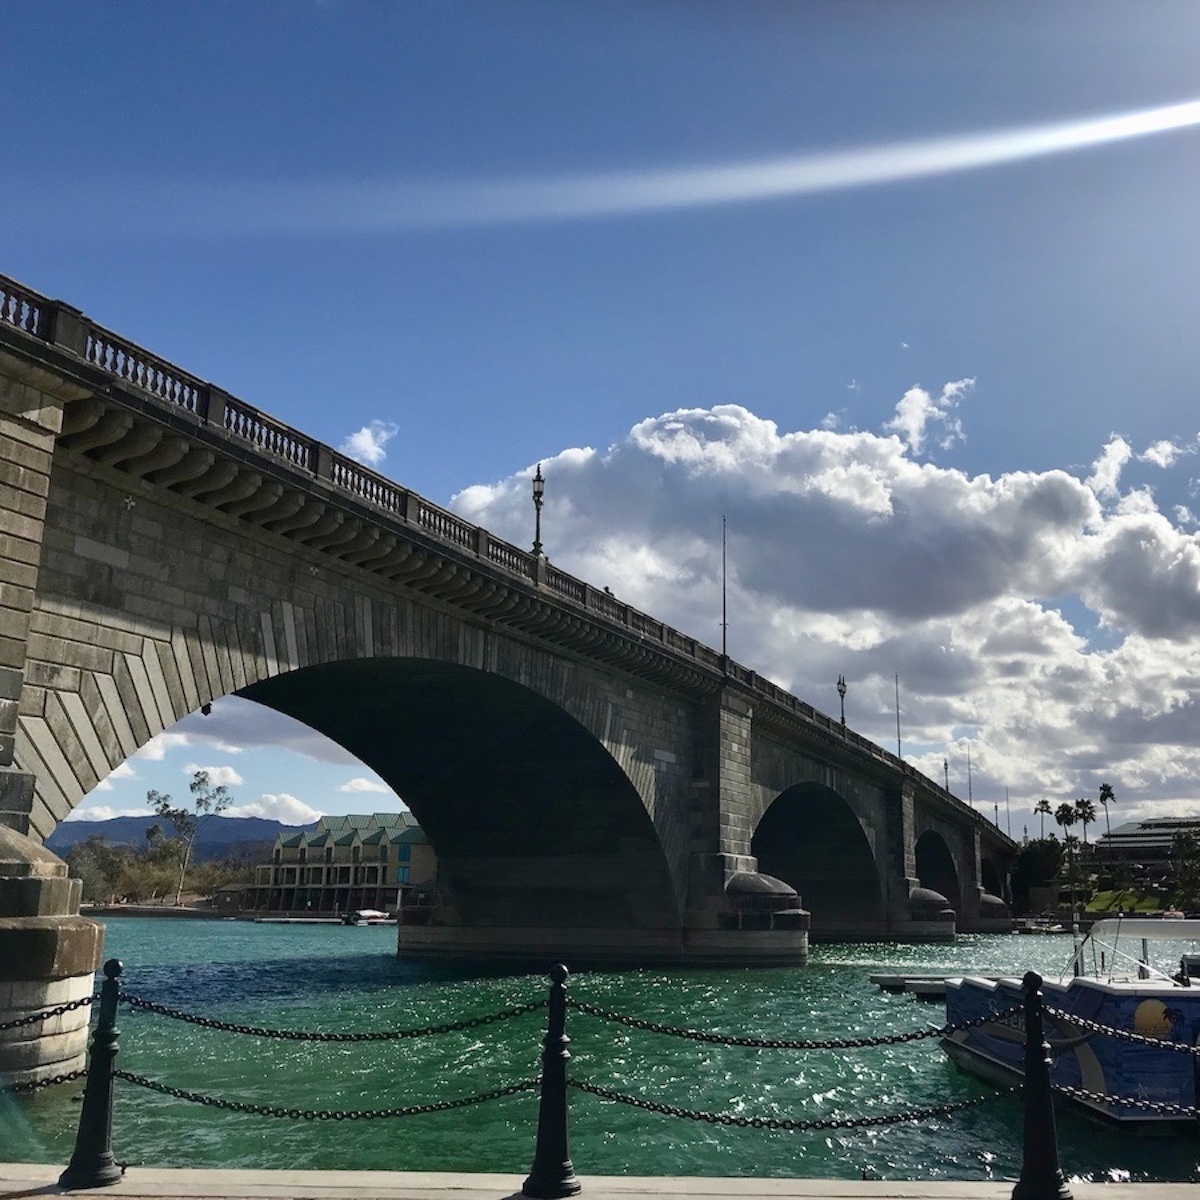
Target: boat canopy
1151, 928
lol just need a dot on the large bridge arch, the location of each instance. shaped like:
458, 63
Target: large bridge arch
811, 839
532, 819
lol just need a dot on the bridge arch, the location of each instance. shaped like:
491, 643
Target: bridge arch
811, 839
936, 868
532, 819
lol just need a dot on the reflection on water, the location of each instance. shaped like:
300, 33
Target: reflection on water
337, 978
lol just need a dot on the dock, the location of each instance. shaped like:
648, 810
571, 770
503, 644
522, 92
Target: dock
21, 1181
929, 985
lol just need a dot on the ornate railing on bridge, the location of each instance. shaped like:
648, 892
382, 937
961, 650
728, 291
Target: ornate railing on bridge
65, 327
93, 1163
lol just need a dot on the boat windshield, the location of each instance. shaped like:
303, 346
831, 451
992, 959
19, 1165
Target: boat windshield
1119, 948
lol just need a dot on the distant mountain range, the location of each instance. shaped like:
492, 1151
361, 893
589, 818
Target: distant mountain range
246, 838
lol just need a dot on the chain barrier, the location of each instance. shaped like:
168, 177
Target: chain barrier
1124, 1035
1160, 1107
33, 1019
325, 1114
20, 1089
299, 1035
818, 1123
696, 1035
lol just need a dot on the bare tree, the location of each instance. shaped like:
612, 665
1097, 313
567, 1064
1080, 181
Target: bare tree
207, 801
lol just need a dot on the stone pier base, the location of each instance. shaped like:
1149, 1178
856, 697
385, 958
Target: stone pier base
48, 958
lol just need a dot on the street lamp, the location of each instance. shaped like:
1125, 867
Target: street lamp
539, 487
841, 686
946, 771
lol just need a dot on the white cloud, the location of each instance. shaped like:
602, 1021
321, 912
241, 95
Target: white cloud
1056, 619
217, 776
1162, 454
368, 444
277, 807
158, 747
101, 812
917, 410
1105, 479
235, 725
122, 771
362, 784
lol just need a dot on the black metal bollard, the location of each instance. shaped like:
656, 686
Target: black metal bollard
553, 1174
92, 1164
1041, 1176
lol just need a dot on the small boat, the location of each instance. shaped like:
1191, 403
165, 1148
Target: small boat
368, 916
1042, 925
1112, 981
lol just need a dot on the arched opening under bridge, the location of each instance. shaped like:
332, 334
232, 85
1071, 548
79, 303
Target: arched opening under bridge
936, 869
534, 823
811, 839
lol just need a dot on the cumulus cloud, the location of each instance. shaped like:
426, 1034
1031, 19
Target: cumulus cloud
101, 812
368, 444
1050, 621
362, 784
918, 411
1105, 479
123, 771
277, 807
217, 776
1162, 454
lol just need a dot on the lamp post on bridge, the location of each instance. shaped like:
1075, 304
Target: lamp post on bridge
946, 771
539, 488
841, 690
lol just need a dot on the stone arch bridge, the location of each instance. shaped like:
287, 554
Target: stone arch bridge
596, 784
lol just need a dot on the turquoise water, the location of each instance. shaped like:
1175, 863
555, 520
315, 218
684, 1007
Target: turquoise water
334, 978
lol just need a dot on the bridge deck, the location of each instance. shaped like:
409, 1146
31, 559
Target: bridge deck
155, 1183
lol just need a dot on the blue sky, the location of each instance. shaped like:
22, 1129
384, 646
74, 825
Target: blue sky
905, 291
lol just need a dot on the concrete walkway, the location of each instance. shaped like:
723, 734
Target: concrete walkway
19, 1180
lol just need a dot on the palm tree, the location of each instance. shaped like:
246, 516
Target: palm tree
1065, 816
1107, 798
1085, 812
1042, 807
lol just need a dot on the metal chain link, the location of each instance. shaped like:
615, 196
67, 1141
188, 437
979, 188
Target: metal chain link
671, 1110
1124, 1035
325, 1114
82, 1002
299, 1035
17, 1089
695, 1035
1162, 1107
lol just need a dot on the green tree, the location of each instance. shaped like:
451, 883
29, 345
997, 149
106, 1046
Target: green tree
1185, 870
1042, 807
1037, 863
208, 800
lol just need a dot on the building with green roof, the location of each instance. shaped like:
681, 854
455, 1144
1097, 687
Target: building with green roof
341, 864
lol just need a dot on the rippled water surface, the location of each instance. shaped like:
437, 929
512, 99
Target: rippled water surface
334, 978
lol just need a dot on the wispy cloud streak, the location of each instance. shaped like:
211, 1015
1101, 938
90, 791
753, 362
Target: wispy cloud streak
364, 207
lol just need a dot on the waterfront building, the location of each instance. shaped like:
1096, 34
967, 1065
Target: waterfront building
342, 864
1144, 842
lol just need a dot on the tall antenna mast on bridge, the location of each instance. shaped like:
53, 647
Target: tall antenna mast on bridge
724, 610
898, 753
